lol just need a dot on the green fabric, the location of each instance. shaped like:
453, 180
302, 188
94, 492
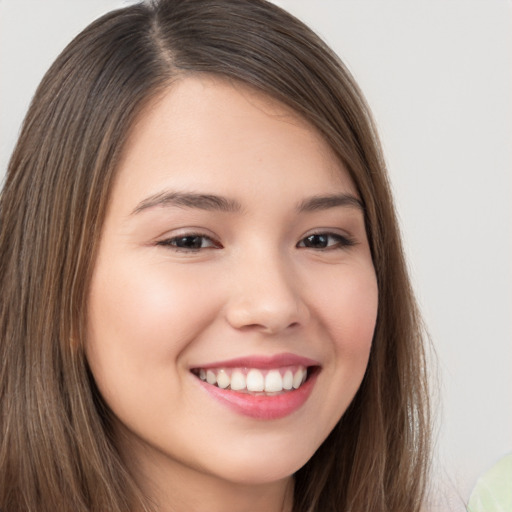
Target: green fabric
493, 491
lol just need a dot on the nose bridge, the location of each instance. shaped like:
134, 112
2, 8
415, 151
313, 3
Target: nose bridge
264, 294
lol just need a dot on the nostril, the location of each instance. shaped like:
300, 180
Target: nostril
266, 311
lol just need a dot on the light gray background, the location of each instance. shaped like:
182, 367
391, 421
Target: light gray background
438, 76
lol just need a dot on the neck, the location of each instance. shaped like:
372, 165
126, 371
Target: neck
217, 496
174, 487
182, 493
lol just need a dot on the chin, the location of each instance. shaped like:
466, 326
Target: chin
263, 469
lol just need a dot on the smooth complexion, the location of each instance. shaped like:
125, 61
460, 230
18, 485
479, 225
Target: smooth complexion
277, 264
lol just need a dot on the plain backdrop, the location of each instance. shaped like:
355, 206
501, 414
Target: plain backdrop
438, 76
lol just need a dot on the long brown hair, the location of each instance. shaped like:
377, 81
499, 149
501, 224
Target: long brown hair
57, 451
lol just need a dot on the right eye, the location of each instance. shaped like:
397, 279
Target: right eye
190, 242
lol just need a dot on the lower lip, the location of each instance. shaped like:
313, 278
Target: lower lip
263, 407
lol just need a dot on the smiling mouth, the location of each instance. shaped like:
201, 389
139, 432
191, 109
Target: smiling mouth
257, 381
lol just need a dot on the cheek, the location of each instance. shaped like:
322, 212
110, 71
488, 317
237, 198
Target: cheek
348, 306
142, 319
344, 303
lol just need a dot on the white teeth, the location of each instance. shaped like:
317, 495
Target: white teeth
297, 378
288, 380
223, 379
211, 378
255, 381
273, 381
237, 380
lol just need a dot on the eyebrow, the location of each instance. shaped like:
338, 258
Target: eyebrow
330, 201
212, 202
209, 202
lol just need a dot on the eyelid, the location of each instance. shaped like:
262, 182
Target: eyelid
168, 241
344, 240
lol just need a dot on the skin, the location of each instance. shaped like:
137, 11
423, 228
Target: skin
253, 287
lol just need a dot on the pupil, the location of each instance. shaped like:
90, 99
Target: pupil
190, 242
316, 241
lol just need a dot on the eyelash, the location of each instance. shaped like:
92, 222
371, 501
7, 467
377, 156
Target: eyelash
172, 242
341, 242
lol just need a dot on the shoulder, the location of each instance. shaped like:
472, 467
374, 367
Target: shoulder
493, 490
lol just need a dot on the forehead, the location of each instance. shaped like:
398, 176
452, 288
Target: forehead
205, 131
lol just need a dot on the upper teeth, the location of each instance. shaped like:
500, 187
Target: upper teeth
254, 380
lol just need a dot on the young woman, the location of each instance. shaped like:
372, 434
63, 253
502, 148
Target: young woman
205, 304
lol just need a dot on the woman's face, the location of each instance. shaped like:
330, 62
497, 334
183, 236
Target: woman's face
233, 265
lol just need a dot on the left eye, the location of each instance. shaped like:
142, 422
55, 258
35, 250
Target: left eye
325, 241
189, 242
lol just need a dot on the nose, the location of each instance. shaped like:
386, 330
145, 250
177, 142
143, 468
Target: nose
265, 296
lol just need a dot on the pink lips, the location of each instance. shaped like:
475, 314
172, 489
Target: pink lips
263, 406
263, 362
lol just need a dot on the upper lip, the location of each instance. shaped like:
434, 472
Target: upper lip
262, 362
